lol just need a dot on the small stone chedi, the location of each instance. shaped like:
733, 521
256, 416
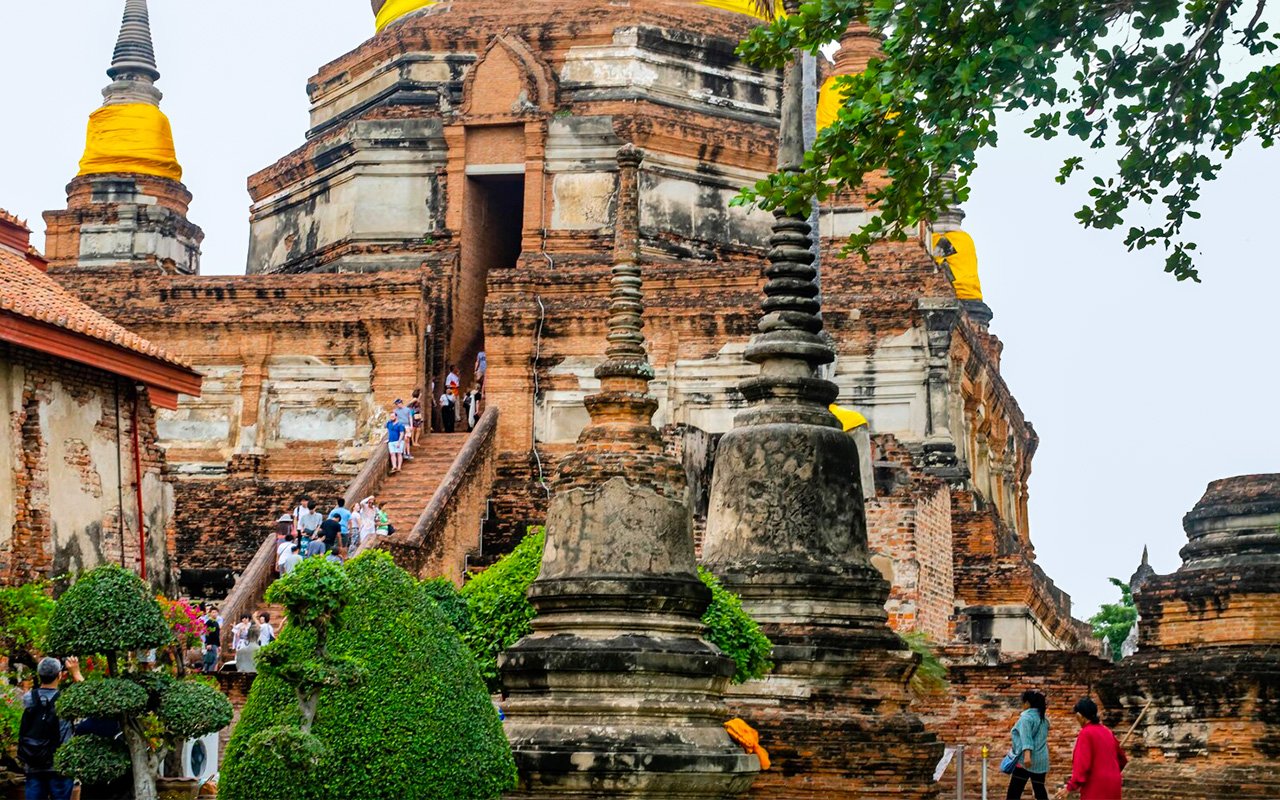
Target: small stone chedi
1204, 685
787, 530
127, 207
616, 693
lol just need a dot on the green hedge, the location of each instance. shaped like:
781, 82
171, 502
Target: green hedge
500, 614
419, 725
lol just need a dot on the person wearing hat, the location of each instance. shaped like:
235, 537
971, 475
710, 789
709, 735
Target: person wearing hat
42, 733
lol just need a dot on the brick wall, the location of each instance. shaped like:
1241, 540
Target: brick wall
983, 702
909, 533
68, 471
221, 524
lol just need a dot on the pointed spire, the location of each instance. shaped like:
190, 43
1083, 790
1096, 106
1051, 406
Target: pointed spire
133, 69
1145, 562
134, 54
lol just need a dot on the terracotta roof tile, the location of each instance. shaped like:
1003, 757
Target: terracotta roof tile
28, 292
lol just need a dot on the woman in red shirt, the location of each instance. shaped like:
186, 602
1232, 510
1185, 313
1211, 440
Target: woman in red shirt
1097, 759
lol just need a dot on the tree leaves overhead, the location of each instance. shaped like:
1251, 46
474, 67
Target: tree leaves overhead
1173, 87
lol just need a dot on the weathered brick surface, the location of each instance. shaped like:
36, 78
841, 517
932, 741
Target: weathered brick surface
69, 466
981, 704
221, 524
1203, 690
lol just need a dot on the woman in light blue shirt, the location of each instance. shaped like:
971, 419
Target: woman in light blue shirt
1031, 747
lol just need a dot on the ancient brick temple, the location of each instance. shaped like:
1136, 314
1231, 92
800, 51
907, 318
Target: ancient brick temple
457, 193
1203, 688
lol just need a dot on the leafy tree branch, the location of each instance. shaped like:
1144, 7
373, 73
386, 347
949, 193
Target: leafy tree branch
1147, 79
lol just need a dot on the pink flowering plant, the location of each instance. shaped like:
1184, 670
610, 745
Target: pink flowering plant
188, 629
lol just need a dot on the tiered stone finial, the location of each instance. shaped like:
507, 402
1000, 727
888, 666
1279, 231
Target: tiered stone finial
787, 531
616, 692
133, 70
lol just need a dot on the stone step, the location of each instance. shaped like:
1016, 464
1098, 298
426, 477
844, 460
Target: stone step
405, 494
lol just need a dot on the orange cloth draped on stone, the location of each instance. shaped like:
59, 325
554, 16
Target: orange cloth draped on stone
745, 735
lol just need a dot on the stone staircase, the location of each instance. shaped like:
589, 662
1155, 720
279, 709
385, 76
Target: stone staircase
406, 493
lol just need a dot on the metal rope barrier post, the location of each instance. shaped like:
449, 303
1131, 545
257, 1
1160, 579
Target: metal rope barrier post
984, 772
959, 772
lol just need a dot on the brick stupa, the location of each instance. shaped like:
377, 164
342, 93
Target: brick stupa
616, 693
1207, 670
787, 530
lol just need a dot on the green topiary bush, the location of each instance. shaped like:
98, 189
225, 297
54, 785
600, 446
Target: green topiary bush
93, 759
500, 611
105, 698
111, 612
108, 611
419, 725
500, 614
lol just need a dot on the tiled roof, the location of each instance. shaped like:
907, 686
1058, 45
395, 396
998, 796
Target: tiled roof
28, 292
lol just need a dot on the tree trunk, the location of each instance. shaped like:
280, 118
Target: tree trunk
144, 764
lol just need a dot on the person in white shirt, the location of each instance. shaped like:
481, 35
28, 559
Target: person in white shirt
452, 382
304, 508
266, 633
448, 410
282, 550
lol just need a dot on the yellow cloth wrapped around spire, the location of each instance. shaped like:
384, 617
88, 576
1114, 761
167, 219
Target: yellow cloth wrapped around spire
395, 9
747, 7
963, 263
830, 101
849, 418
135, 137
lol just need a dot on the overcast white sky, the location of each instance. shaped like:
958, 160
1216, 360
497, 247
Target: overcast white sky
1142, 389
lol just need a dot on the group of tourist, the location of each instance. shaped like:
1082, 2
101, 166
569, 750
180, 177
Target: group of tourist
306, 533
1096, 762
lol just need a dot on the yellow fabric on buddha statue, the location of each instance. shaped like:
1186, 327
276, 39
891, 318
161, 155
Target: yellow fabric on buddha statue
743, 7
849, 419
963, 263
395, 9
135, 138
748, 738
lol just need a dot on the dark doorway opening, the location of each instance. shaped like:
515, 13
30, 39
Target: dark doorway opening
492, 235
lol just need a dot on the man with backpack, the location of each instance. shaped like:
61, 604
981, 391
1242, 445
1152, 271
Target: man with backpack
41, 733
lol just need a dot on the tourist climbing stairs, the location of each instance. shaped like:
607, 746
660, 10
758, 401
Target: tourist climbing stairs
405, 494
439, 494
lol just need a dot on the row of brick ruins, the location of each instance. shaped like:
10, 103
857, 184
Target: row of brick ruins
483, 177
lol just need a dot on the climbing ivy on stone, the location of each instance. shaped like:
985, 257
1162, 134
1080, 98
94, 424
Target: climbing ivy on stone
501, 614
1172, 88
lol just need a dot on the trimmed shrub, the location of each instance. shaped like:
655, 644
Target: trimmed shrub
106, 698
451, 604
501, 614
500, 611
420, 725
111, 612
190, 709
92, 759
108, 611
